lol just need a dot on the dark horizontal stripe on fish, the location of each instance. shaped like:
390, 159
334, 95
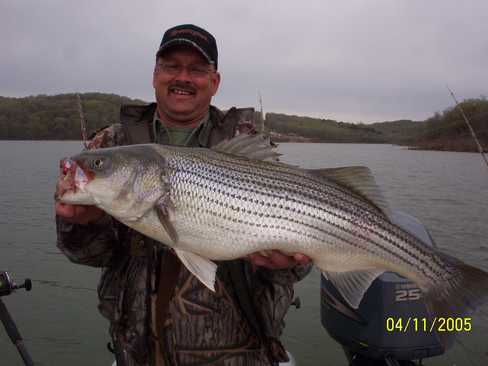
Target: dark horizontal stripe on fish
421, 249
225, 205
268, 170
280, 227
356, 201
219, 166
294, 188
340, 239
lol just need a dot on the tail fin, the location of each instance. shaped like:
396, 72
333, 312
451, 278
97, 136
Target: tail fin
465, 288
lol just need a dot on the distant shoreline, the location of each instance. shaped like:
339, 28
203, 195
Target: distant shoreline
50, 140
420, 148
57, 118
298, 140
465, 145
461, 144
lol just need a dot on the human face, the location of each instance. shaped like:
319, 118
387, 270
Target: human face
184, 84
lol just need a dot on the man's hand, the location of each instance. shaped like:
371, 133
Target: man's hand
78, 214
274, 259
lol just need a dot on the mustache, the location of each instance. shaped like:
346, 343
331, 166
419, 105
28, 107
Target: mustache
186, 86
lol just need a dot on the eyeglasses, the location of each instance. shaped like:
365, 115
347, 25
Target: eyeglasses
173, 69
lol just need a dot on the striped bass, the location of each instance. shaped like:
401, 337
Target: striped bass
229, 201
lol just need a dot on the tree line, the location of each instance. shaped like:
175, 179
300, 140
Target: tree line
56, 117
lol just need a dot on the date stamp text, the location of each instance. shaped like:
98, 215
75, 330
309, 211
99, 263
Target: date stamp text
428, 325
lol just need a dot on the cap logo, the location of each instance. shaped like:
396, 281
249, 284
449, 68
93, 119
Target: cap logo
191, 31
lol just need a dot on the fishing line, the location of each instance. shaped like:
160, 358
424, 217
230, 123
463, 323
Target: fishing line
458, 106
82, 121
52, 283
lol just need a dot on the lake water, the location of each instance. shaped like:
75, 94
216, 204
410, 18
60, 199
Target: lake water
59, 320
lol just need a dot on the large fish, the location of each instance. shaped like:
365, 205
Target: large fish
227, 202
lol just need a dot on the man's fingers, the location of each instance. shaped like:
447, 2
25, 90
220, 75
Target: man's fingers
281, 260
302, 258
275, 259
78, 214
260, 260
63, 210
272, 259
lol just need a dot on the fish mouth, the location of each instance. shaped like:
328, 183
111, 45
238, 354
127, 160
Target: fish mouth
72, 180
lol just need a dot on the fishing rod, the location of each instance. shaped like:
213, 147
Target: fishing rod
7, 286
82, 121
466, 120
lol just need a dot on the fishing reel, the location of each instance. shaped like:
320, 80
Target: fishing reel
7, 285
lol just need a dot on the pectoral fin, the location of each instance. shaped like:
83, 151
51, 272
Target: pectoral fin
165, 210
202, 268
353, 285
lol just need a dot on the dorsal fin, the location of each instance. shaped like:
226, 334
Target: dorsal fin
359, 180
256, 147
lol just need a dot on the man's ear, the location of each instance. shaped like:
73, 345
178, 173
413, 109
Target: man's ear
154, 78
215, 82
155, 71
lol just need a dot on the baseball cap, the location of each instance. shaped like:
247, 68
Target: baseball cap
196, 37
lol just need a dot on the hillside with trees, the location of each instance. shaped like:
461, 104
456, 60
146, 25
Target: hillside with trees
56, 117
290, 128
401, 132
448, 130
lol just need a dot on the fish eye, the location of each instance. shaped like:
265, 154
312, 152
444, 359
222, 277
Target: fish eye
97, 163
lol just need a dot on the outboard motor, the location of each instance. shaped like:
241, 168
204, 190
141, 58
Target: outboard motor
377, 332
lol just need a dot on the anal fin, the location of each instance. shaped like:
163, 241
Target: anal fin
204, 269
353, 285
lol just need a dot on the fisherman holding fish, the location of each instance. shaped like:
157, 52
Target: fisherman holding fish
159, 312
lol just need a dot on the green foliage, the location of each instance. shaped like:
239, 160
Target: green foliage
400, 132
57, 117
325, 130
448, 130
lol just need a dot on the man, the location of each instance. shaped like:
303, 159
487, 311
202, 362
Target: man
159, 313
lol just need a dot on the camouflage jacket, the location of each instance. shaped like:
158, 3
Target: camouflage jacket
202, 327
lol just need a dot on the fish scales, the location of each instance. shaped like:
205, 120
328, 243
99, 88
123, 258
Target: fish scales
238, 181
216, 205
246, 179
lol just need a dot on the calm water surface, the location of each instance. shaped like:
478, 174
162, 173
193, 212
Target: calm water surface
59, 320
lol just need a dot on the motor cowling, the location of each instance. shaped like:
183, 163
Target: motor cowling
391, 321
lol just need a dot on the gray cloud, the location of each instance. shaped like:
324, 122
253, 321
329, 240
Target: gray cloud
348, 60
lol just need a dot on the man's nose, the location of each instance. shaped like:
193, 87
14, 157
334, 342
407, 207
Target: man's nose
183, 74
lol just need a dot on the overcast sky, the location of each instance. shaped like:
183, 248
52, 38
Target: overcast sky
349, 60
